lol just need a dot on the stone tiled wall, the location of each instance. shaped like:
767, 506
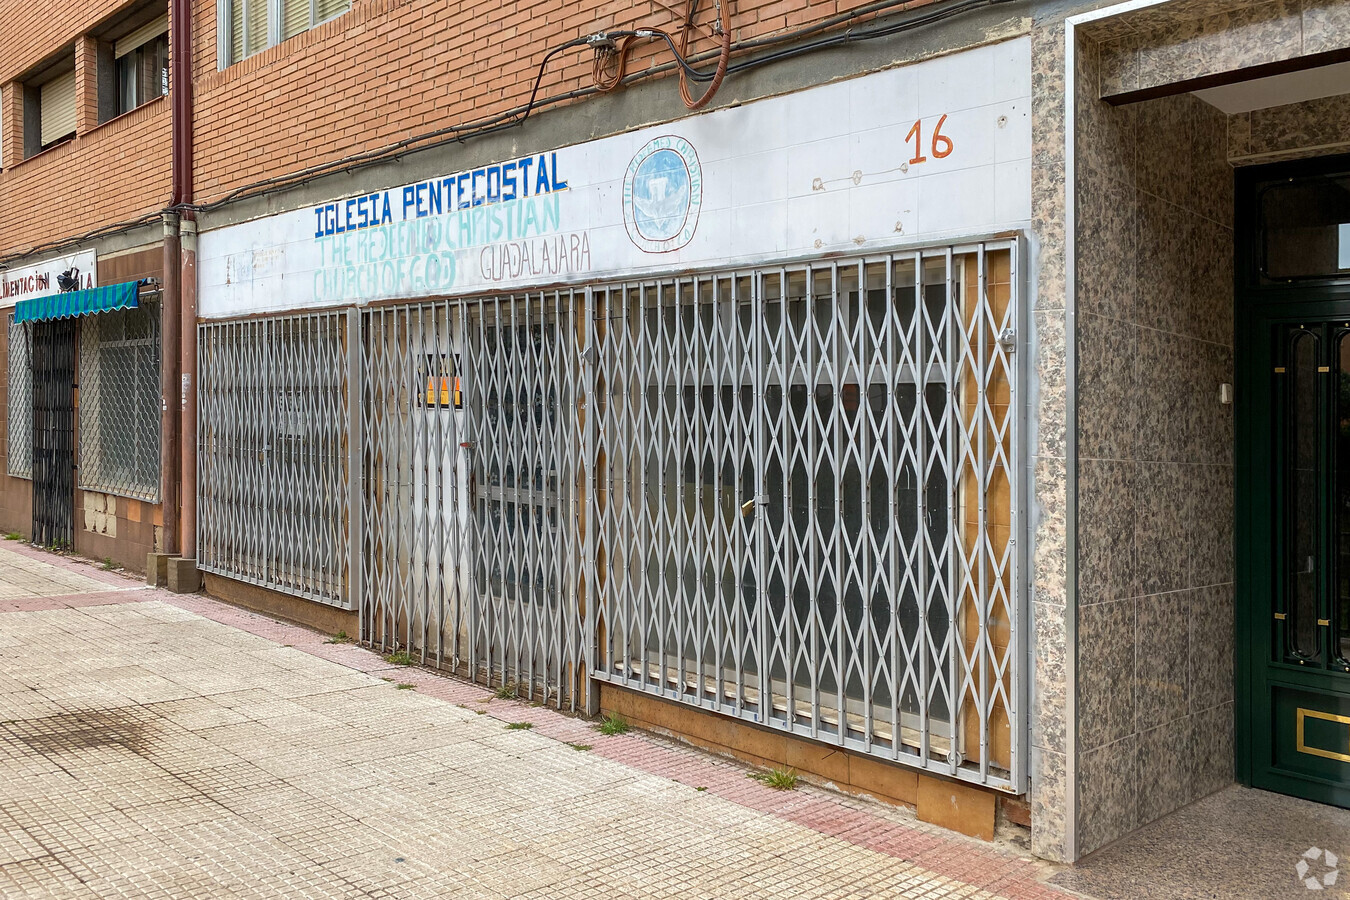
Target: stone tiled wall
1184, 40
1311, 128
1051, 787
1155, 458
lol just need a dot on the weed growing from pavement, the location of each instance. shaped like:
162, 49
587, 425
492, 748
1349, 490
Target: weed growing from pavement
508, 691
405, 687
13, 536
700, 788
341, 638
519, 726
612, 724
580, 747
109, 565
399, 658
778, 779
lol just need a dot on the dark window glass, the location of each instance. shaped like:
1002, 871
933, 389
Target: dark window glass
1301, 509
1305, 228
143, 74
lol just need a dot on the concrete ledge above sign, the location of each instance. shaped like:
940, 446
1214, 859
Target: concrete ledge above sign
937, 150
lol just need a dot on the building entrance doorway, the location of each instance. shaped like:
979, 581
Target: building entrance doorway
1294, 496
53, 360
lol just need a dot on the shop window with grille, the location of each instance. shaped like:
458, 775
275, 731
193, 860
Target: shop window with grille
119, 415
805, 489
272, 432
19, 403
251, 26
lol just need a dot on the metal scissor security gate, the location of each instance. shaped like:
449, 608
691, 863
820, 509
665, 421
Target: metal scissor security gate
52, 352
272, 476
805, 501
786, 494
473, 454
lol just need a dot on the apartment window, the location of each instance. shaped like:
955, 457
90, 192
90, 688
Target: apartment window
49, 110
251, 26
142, 65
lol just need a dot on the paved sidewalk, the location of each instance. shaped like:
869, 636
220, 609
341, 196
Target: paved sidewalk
154, 745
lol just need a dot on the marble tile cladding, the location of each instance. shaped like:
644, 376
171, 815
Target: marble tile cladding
1049, 790
1164, 770
1161, 645
1106, 690
1236, 37
1314, 125
1211, 522
1108, 805
1108, 407
1106, 248
1048, 704
1211, 750
1050, 522
1210, 642
1162, 557
1108, 497
1050, 397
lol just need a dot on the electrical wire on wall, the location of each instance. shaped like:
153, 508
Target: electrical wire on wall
608, 70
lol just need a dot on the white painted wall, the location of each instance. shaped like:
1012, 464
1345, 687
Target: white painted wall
820, 171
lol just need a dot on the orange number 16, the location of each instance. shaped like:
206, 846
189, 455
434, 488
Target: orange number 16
941, 147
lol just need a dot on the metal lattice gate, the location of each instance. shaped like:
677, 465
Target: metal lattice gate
786, 494
805, 501
473, 553
272, 453
53, 360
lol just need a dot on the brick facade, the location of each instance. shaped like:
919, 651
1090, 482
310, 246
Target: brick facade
385, 71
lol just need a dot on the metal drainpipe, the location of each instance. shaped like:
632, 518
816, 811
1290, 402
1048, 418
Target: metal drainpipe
170, 325
188, 394
180, 394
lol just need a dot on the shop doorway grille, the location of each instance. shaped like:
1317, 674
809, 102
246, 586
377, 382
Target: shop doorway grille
473, 456
272, 445
53, 360
805, 501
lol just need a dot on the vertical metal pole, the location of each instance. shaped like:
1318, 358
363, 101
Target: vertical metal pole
356, 495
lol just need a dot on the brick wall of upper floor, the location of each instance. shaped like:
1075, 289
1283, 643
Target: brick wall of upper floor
390, 69
383, 71
116, 168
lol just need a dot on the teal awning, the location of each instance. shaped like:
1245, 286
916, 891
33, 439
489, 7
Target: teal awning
78, 303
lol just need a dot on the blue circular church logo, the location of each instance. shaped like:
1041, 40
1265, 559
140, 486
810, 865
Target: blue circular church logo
662, 194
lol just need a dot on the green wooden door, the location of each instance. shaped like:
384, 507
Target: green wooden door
1298, 593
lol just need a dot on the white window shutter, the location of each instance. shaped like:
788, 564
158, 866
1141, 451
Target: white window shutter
58, 108
142, 35
327, 9
294, 17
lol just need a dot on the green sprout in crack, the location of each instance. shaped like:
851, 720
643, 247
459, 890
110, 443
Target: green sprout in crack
519, 726
612, 724
777, 778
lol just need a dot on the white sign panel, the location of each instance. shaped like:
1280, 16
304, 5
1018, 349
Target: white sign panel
939, 149
63, 273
